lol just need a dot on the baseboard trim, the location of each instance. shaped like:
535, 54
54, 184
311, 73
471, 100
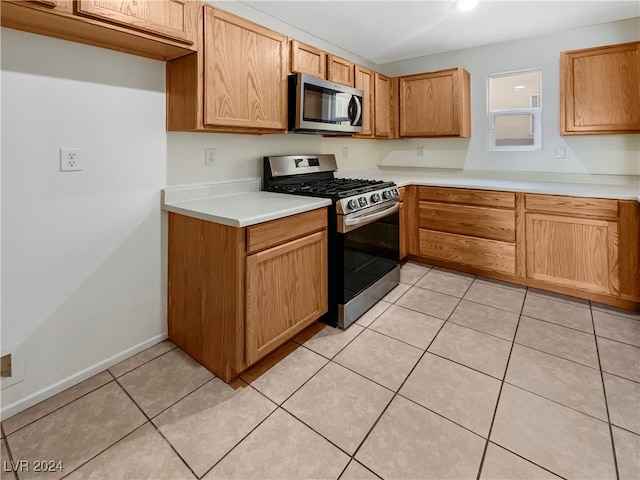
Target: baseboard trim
54, 389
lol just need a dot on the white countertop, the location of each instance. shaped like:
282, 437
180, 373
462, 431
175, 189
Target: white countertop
601, 186
236, 203
240, 203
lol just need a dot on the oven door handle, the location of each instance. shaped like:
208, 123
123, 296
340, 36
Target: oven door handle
352, 223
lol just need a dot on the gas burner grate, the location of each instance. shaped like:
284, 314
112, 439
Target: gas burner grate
334, 188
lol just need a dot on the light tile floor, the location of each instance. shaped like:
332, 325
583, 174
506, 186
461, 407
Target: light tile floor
450, 376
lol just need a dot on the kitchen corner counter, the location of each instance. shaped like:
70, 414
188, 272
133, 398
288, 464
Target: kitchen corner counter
236, 203
600, 186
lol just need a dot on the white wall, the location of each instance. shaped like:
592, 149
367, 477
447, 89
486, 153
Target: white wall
603, 154
240, 156
82, 270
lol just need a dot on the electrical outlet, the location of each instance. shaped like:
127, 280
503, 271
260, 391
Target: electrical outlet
11, 365
70, 160
420, 151
211, 157
560, 152
345, 152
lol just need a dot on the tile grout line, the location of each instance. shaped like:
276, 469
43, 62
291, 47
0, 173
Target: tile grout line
60, 407
108, 370
104, 450
143, 363
556, 402
618, 341
479, 371
396, 393
554, 355
353, 460
149, 419
278, 407
604, 392
6, 443
527, 460
495, 410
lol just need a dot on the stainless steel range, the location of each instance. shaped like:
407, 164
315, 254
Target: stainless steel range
364, 230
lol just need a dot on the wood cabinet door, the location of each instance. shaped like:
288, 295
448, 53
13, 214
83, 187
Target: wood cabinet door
340, 70
435, 104
599, 90
245, 74
382, 104
365, 81
286, 291
172, 19
575, 252
308, 59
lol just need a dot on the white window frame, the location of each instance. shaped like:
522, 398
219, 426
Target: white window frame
535, 116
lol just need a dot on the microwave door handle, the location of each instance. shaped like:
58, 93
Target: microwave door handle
355, 110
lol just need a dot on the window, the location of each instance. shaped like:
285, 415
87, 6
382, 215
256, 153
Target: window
514, 105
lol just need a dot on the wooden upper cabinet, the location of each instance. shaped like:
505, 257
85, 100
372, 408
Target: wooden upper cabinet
599, 90
160, 29
364, 80
166, 18
245, 73
435, 104
383, 125
307, 59
340, 70
236, 83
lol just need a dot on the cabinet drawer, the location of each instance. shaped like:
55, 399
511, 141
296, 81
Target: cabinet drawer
476, 252
275, 232
482, 222
604, 208
487, 198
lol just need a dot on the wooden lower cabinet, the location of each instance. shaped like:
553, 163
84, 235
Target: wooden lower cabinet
579, 246
286, 292
575, 252
629, 249
404, 241
403, 193
227, 308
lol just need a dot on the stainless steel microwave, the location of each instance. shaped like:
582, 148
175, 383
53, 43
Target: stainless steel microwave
320, 106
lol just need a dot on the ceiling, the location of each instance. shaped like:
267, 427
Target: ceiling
387, 31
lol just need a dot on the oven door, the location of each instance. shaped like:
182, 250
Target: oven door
368, 251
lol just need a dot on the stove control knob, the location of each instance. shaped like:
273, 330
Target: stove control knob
352, 204
387, 194
375, 198
395, 192
362, 201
